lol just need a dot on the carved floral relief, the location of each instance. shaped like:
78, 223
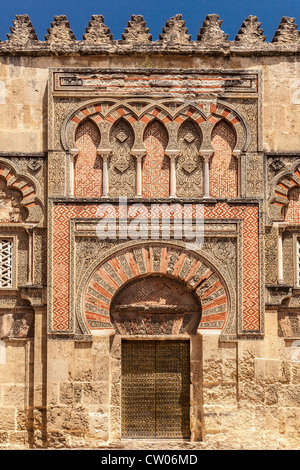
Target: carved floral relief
10, 200
189, 164
122, 164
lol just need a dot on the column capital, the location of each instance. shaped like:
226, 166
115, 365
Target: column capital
206, 154
74, 152
237, 153
104, 152
172, 153
138, 153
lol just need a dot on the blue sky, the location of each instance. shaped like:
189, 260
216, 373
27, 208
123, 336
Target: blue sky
156, 12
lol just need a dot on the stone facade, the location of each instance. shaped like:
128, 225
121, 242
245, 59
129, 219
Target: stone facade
124, 138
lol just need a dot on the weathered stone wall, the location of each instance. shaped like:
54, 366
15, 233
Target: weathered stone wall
15, 396
250, 384
60, 387
24, 94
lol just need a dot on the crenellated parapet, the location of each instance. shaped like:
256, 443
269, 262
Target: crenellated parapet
211, 32
97, 32
98, 39
287, 32
175, 32
60, 31
22, 31
250, 32
136, 31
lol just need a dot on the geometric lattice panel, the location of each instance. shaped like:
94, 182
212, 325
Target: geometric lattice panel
156, 164
223, 165
6, 268
88, 166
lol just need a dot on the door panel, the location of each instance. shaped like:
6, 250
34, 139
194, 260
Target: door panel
155, 389
172, 389
138, 389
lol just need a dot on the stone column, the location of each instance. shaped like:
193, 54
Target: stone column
104, 153
73, 154
138, 154
30, 256
237, 155
29, 229
206, 156
172, 154
280, 258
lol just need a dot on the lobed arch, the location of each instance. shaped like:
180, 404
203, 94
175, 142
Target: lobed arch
155, 120
286, 181
121, 111
189, 111
99, 112
207, 117
118, 121
105, 113
156, 111
87, 165
106, 278
236, 120
156, 164
223, 168
31, 199
185, 123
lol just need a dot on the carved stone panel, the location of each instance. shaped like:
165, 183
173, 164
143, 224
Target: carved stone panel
271, 240
155, 305
254, 175
189, 165
223, 165
40, 257
56, 174
156, 163
122, 163
88, 165
250, 110
22, 257
17, 325
10, 208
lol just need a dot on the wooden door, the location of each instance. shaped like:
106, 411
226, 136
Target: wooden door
155, 389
